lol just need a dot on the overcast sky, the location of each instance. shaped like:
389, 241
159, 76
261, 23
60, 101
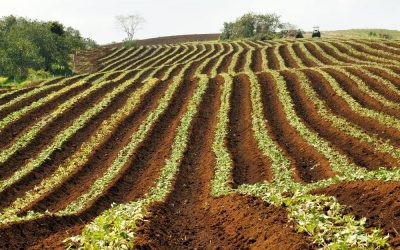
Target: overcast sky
96, 18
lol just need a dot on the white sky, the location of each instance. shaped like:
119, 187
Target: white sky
96, 18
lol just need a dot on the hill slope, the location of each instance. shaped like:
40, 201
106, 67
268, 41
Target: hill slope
207, 145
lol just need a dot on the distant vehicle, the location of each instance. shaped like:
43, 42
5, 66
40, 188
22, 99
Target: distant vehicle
299, 34
316, 32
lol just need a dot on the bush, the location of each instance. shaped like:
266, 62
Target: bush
253, 26
29, 44
130, 44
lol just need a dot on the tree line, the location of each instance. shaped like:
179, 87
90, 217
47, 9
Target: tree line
35, 47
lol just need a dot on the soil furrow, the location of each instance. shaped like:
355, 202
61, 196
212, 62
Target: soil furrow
58, 156
287, 58
305, 60
317, 54
134, 181
378, 201
363, 98
224, 65
13, 131
394, 80
361, 153
271, 59
241, 61
191, 219
374, 53
309, 164
15, 191
339, 107
256, 61
375, 85
10, 97
250, 165
210, 65
350, 53
80, 181
132, 60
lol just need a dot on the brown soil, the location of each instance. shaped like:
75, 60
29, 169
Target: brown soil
10, 97
191, 219
317, 54
378, 201
382, 47
363, 98
250, 165
133, 60
179, 39
376, 86
211, 63
46, 136
361, 153
308, 163
239, 67
362, 49
394, 80
114, 59
133, 182
287, 58
304, 59
224, 65
256, 62
272, 60
88, 61
349, 53
339, 107
14, 130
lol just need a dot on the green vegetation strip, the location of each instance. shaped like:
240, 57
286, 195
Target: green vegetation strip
31, 133
116, 227
41, 102
82, 155
64, 135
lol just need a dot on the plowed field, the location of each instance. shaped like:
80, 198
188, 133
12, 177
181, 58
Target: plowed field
285, 144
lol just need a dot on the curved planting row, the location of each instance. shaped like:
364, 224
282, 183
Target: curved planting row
242, 144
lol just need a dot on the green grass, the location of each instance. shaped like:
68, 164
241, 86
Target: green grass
361, 33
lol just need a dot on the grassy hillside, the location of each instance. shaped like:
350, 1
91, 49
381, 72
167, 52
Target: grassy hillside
364, 33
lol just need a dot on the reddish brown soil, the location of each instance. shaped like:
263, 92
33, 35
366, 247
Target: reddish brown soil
363, 98
88, 61
179, 39
313, 51
364, 50
16, 129
256, 62
363, 154
132, 183
224, 65
49, 132
133, 60
287, 58
190, 219
394, 80
9, 97
272, 60
376, 86
343, 49
382, 47
250, 165
304, 59
211, 63
239, 67
308, 163
114, 59
378, 201
80, 181
339, 107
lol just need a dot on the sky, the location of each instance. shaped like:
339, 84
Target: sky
96, 18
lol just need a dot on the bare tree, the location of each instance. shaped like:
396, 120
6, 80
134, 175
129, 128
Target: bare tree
129, 24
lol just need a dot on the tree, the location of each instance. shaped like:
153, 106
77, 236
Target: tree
253, 26
129, 24
29, 45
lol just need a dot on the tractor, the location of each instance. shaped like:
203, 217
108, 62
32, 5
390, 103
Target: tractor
316, 32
